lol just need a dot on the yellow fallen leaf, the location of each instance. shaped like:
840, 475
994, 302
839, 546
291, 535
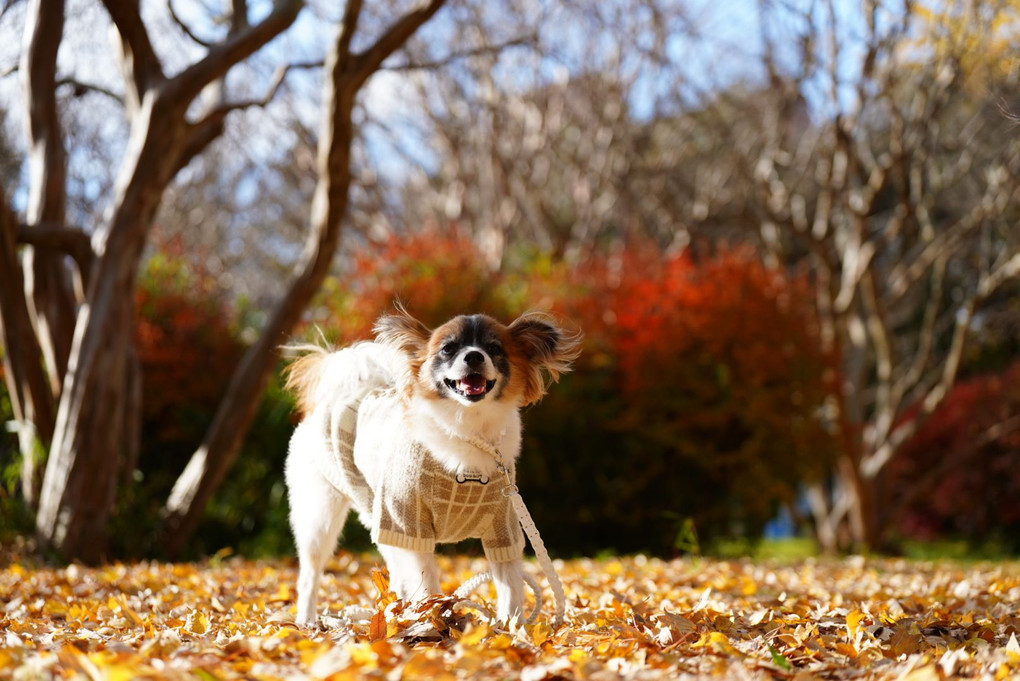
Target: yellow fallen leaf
926, 673
540, 633
474, 634
715, 641
853, 623
363, 655
423, 665
196, 623
500, 642
282, 594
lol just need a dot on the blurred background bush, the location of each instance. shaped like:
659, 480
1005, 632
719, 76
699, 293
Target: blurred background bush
691, 420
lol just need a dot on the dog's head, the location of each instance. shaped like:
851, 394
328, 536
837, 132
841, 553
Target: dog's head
473, 359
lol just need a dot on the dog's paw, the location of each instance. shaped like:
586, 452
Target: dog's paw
308, 622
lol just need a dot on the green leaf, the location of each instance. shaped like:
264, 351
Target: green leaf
779, 659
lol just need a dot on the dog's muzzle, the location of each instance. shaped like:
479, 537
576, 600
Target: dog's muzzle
473, 387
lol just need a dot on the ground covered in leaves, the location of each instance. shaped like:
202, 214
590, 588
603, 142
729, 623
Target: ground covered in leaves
631, 618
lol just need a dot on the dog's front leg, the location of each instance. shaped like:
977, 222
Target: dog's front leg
413, 574
508, 578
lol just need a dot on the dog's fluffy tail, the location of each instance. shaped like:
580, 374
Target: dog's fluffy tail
302, 376
320, 374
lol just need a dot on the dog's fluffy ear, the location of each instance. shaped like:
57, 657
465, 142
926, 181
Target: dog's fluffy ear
403, 332
547, 350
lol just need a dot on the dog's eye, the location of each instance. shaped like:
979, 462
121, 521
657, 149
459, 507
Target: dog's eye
447, 349
494, 349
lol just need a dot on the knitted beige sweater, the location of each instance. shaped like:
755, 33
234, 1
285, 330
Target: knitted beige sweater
404, 495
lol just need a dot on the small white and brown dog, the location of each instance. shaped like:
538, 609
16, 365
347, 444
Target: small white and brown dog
392, 429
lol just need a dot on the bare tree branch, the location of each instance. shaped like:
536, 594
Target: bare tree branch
81, 88
8, 5
142, 69
235, 48
279, 76
886, 449
458, 55
184, 26
69, 240
368, 62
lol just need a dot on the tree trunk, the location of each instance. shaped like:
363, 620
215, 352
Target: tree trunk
48, 302
97, 415
31, 396
96, 430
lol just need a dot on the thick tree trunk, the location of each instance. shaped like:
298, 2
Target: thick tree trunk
97, 414
31, 396
48, 296
96, 429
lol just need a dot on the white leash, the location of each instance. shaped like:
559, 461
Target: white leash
481, 578
528, 524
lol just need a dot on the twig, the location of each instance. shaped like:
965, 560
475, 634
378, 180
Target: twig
519, 41
81, 88
274, 86
184, 27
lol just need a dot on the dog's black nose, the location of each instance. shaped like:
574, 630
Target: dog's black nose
474, 359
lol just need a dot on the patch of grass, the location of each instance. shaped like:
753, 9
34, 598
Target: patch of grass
786, 549
957, 550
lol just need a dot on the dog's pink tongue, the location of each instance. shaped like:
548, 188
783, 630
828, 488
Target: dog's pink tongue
473, 384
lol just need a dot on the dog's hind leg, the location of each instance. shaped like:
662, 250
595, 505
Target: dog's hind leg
317, 515
316, 540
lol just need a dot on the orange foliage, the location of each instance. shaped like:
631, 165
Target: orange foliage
187, 350
712, 380
436, 273
654, 308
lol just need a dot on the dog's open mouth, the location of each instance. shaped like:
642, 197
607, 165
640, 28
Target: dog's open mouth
473, 386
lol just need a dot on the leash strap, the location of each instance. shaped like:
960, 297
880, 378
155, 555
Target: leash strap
543, 559
528, 524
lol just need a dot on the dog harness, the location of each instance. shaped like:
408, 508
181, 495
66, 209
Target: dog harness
416, 503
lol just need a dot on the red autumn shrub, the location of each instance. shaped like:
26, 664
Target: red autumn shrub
959, 475
187, 350
709, 380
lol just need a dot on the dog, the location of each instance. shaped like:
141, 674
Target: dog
406, 430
